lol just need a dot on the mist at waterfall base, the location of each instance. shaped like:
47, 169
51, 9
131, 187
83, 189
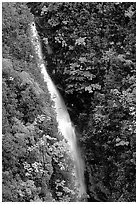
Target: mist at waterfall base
65, 125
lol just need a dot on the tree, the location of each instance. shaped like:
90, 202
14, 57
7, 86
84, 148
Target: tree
93, 65
36, 162
16, 17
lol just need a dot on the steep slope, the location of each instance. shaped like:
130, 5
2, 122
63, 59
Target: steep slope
36, 161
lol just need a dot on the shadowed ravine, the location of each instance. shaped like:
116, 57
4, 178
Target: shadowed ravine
64, 123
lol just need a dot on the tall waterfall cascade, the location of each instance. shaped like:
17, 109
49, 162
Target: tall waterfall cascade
64, 122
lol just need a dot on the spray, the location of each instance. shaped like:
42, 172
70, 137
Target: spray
64, 122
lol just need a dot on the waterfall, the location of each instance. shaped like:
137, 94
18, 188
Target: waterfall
64, 122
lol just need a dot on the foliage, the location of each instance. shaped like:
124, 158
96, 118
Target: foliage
92, 61
16, 17
93, 64
35, 159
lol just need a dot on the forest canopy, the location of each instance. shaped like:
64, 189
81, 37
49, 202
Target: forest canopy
91, 57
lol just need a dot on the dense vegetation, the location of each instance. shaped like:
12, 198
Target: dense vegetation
91, 58
34, 153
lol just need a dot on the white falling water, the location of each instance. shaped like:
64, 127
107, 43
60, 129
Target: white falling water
64, 123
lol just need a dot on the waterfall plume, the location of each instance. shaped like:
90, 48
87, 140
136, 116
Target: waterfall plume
65, 125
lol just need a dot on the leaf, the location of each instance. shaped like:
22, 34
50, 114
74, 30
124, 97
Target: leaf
89, 89
122, 143
80, 41
82, 59
44, 10
96, 86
